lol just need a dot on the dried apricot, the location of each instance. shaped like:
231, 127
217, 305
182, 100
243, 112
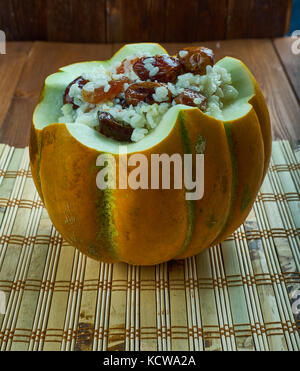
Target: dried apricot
161, 68
109, 127
99, 95
66, 97
125, 65
192, 98
196, 59
143, 92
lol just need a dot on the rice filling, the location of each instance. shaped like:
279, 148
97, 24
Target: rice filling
107, 90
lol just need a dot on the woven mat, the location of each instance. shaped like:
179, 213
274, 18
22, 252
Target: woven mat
241, 295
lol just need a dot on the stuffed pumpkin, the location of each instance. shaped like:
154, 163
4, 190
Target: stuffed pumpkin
153, 104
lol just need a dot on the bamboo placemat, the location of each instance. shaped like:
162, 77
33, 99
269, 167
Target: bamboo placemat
240, 295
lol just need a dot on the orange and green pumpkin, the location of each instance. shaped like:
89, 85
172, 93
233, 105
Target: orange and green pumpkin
150, 226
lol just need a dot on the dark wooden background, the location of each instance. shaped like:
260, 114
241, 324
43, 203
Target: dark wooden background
109, 21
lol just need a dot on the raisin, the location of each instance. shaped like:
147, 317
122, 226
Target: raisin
99, 95
143, 92
196, 59
66, 98
168, 68
187, 97
109, 127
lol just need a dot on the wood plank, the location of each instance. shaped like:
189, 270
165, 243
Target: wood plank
258, 18
205, 20
290, 60
179, 18
24, 20
135, 20
76, 21
146, 20
211, 20
11, 65
44, 59
54, 20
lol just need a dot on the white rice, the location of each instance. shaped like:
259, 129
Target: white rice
215, 86
183, 53
149, 66
161, 94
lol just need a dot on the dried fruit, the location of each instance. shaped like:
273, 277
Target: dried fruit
66, 97
143, 92
109, 127
192, 98
100, 95
161, 68
125, 65
196, 59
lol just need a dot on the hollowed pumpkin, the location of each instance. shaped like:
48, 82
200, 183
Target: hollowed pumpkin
151, 226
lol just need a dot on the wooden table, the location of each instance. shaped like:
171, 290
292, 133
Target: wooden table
26, 65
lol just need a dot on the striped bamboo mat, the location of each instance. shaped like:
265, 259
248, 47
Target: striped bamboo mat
241, 295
